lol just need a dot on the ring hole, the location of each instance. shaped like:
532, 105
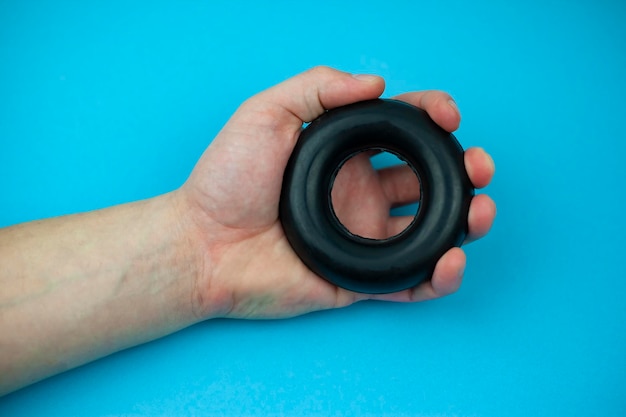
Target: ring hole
376, 194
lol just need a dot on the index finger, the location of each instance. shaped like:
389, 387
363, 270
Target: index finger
438, 104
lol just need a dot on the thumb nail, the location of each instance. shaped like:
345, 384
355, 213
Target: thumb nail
452, 104
367, 78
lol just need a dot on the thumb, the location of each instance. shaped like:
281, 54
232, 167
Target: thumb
307, 95
240, 174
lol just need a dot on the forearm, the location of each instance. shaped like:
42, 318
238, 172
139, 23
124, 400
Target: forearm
76, 288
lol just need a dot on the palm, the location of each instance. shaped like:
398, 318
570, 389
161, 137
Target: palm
361, 202
363, 197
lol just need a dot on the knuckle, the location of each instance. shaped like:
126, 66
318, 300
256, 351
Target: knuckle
322, 71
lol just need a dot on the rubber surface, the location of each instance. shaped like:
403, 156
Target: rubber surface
354, 262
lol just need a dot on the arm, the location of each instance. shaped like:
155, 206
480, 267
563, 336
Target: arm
80, 287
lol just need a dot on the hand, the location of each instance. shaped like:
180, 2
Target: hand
231, 202
80, 287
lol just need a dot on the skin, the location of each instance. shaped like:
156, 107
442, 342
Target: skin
80, 287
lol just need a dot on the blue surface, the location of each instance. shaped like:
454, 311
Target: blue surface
103, 103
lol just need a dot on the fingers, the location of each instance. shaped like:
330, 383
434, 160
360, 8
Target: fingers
446, 280
439, 106
397, 224
442, 109
481, 216
400, 184
480, 167
480, 219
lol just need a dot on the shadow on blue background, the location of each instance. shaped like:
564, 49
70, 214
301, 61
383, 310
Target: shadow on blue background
103, 103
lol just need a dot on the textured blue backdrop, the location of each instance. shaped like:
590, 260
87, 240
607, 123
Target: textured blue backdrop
108, 102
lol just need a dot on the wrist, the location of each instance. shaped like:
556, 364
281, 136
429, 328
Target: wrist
196, 237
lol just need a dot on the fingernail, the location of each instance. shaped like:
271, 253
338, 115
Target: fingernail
367, 78
460, 273
454, 106
491, 163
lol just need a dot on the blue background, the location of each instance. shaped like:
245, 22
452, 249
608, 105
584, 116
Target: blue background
109, 102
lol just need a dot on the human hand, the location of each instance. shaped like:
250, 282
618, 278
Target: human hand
230, 201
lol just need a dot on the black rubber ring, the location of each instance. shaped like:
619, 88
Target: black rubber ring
369, 265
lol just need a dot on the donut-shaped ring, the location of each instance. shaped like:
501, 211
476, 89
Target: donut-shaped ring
375, 265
